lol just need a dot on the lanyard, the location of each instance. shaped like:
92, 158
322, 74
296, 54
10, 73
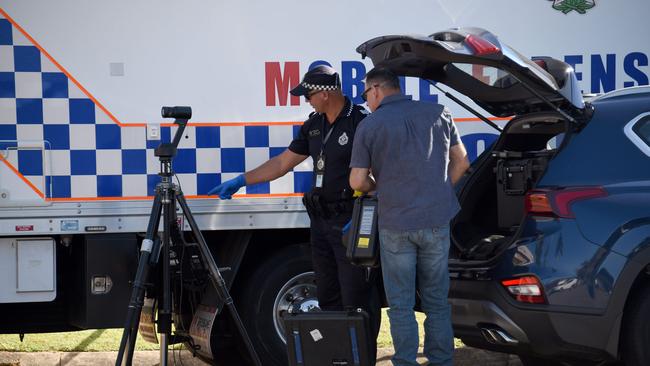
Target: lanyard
327, 137
329, 133
319, 168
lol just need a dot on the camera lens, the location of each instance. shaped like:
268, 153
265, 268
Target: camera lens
176, 112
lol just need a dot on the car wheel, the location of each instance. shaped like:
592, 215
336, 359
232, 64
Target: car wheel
636, 336
283, 283
536, 361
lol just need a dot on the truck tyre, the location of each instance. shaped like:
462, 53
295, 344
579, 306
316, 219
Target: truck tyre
284, 282
636, 336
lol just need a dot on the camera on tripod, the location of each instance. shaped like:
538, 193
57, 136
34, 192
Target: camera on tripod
156, 253
181, 114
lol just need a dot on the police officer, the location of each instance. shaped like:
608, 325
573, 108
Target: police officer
327, 137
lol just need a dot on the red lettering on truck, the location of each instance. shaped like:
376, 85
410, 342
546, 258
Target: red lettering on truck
282, 82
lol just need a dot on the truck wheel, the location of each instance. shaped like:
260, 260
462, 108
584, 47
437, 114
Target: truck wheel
283, 283
636, 336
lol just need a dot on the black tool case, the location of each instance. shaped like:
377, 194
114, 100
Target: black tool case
516, 174
363, 238
328, 338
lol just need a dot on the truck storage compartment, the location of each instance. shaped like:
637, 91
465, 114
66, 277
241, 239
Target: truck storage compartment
493, 198
105, 267
28, 267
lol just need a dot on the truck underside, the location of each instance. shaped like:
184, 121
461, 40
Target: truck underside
95, 272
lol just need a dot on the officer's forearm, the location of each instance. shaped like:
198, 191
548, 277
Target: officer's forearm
274, 168
268, 171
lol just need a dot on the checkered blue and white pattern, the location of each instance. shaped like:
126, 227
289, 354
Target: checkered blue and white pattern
53, 133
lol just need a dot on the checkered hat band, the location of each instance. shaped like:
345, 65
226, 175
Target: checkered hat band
319, 87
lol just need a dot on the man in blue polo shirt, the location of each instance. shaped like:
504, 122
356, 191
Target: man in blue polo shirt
415, 154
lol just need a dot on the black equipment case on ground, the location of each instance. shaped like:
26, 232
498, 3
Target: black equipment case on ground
328, 338
363, 239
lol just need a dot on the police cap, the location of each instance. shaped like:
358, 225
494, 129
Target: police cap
321, 77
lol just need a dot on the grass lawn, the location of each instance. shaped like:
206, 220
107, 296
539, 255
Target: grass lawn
84, 340
109, 340
384, 339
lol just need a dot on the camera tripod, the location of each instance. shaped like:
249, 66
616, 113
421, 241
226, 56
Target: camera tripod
167, 195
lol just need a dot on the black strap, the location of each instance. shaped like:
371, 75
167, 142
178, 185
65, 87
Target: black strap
329, 132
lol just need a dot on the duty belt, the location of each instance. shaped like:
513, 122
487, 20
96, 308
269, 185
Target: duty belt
318, 206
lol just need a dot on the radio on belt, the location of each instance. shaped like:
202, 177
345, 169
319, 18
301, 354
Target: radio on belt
363, 238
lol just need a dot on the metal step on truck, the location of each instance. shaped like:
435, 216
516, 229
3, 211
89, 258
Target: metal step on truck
81, 86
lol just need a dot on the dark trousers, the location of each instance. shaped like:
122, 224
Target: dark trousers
339, 283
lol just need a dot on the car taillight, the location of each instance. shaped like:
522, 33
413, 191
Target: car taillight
480, 45
537, 203
557, 203
526, 289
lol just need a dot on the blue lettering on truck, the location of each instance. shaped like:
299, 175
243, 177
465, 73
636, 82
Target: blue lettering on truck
604, 67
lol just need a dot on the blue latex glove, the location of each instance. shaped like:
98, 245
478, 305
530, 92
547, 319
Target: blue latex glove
226, 189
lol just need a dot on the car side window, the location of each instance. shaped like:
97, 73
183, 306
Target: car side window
642, 128
638, 131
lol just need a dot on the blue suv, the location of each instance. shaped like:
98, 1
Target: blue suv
550, 254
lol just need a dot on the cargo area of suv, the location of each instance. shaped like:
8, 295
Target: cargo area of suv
493, 197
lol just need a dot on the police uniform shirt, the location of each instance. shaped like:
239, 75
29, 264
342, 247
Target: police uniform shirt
337, 150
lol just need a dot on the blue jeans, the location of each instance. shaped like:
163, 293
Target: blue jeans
421, 254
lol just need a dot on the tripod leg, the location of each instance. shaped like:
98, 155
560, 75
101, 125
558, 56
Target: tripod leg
137, 294
165, 311
216, 278
132, 339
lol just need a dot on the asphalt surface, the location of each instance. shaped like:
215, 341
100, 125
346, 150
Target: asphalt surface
465, 356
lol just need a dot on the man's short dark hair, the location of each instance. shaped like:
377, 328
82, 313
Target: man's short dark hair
383, 76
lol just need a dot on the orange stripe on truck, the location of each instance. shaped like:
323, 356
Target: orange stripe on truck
22, 177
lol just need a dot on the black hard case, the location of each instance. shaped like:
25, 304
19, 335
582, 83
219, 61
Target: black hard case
328, 338
363, 245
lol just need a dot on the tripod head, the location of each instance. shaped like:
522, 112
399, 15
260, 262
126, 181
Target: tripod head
167, 151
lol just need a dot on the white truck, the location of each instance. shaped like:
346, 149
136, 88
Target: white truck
81, 86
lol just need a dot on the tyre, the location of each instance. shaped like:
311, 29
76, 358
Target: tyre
636, 332
285, 282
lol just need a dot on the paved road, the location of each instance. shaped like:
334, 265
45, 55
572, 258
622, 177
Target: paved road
463, 357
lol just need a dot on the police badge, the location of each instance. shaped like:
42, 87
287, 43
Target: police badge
343, 139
